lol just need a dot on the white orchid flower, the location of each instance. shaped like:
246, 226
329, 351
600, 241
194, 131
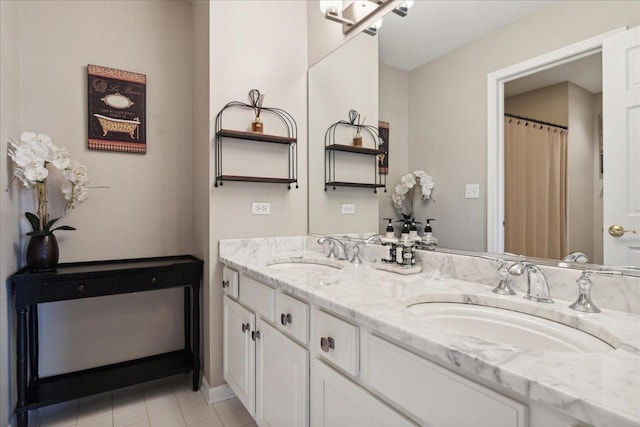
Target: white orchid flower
409, 180
61, 158
27, 136
35, 172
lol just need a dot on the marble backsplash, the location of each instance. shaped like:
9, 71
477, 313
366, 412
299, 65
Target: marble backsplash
615, 293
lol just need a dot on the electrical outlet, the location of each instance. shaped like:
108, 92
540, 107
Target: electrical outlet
260, 208
348, 209
472, 191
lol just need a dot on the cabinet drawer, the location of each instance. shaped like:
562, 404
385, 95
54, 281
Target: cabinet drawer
151, 280
81, 288
293, 317
336, 341
230, 282
429, 391
261, 298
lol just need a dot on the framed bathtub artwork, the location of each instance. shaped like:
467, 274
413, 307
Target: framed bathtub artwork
117, 110
383, 159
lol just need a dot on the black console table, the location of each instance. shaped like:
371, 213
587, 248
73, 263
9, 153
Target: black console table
95, 279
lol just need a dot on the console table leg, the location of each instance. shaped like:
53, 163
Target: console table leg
196, 338
21, 368
187, 318
33, 344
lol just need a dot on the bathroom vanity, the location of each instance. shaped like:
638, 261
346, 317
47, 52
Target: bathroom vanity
310, 342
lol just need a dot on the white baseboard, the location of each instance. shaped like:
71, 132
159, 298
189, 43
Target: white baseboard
215, 394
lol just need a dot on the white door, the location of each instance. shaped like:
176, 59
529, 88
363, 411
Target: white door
282, 380
338, 402
621, 123
239, 352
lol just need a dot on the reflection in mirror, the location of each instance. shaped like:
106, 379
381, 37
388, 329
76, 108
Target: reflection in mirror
436, 110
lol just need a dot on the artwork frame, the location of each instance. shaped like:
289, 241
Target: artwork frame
116, 119
383, 159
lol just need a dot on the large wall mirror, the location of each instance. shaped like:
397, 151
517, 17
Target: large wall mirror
432, 90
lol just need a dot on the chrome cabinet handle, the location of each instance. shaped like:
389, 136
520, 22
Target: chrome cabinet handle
81, 287
327, 343
255, 335
285, 318
225, 284
245, 327
154, 279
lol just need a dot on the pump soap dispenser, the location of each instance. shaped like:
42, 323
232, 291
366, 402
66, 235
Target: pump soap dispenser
428, 240
389, 244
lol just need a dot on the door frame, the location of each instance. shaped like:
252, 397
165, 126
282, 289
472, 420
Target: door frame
495, 124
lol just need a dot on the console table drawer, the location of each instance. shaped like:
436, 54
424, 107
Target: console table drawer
81, 288
148, 281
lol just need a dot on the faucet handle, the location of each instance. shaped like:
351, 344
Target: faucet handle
584, 303
355, 259
503, 287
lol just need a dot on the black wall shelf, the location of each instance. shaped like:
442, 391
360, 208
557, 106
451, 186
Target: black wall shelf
290, 139
370, 136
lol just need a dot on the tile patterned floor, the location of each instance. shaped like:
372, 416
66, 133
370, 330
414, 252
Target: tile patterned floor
168, 402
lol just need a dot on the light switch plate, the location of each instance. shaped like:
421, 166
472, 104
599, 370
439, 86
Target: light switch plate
348, 209
260, 208
472, 191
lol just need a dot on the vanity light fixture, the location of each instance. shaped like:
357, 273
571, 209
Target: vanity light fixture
358, 11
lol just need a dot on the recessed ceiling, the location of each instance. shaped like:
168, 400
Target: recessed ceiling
435, 27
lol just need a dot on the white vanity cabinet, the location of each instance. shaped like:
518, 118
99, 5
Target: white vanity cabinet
337, 401
268, 371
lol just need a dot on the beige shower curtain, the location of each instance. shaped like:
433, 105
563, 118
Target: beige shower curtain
535, 189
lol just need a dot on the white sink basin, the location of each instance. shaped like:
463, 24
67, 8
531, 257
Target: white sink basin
508, 327
305, 265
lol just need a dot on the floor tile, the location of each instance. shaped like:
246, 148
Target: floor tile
197, 413
162, 404
144, 423
227, 405
172, 419
209, 422
190, 398
236, 418
60, 415
127, 391
101, 421
129, 416
128, 402
94, 406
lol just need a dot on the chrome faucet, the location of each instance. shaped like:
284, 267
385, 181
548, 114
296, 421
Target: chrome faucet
576, 257
503, 287
376, 238
537, 286
584, 303
333, 245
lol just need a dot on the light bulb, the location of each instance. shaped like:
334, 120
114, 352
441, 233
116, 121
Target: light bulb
331, 6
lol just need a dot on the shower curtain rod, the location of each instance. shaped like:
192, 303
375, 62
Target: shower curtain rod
536, 121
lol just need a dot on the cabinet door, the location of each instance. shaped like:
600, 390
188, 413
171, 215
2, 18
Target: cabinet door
340, 402
239, 352
282, 380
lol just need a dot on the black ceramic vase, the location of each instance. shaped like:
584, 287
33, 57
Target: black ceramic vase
42, 252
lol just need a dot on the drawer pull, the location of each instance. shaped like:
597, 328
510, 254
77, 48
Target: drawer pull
245, 327
285, 318
154, 279
255, 335
327, 344
225, 284
81, 287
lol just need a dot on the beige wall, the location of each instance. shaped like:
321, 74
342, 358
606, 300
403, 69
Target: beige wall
548, 104
394, 109
277, 65
448, 106
147, 209
10, 106
337, 85
580, 193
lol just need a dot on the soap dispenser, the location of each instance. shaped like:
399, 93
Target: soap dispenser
413, 231
389, 244
428, 239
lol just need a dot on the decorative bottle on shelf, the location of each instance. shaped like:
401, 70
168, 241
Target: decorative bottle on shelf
256, 125
428, 240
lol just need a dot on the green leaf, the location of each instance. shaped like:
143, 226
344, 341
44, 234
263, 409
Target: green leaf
62, 227
37, 233
33, 220
47, 227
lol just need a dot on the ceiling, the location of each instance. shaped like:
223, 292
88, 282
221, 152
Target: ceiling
434, 27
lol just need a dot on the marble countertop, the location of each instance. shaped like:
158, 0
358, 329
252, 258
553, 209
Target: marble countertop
601, 389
